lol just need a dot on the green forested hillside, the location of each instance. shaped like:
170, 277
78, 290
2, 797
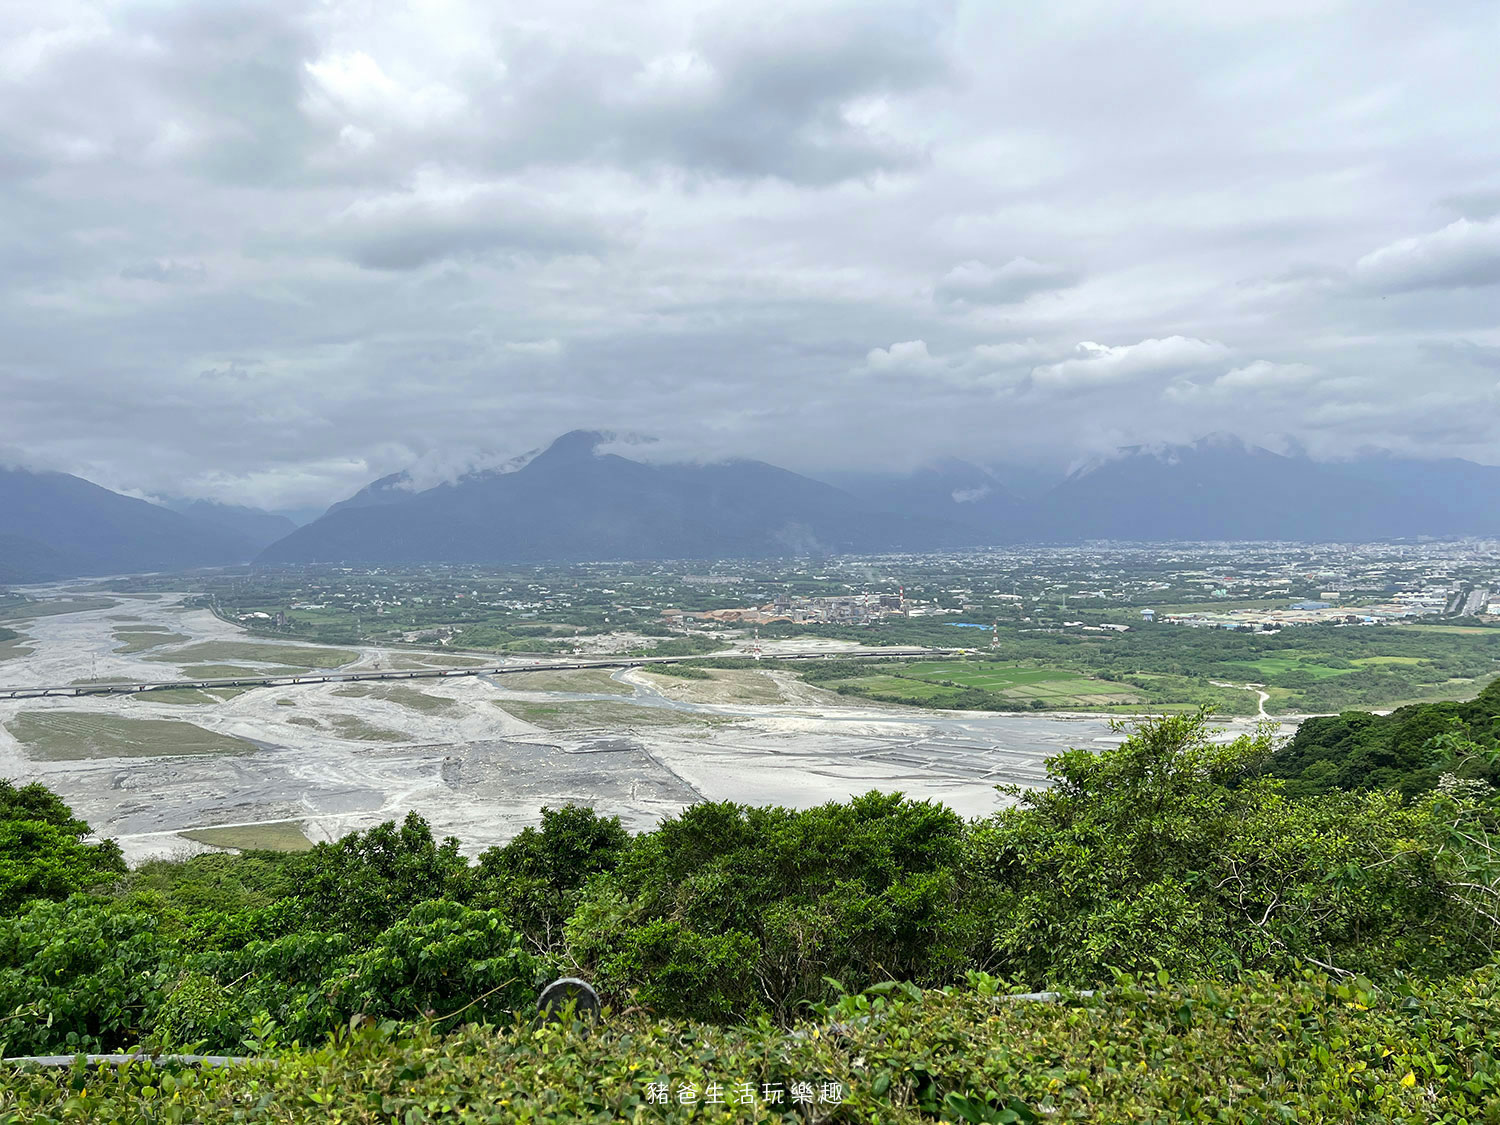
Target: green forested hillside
1327, 954
1407, 750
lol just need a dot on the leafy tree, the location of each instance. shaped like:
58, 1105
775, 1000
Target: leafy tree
536, 878
1403, 750
756, 906
42, 853
366, 881
1171, 851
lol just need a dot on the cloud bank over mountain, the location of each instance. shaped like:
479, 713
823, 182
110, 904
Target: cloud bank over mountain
267, 252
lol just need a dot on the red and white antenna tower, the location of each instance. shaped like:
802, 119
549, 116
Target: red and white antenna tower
755, 644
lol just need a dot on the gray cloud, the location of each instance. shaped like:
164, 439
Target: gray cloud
269, 251
1461, 255
436, 221
975, 282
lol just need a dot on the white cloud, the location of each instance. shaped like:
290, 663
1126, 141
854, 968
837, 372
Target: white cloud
1100, 364
1262, 374
542, 348
811, 231
907, 357
1463, 254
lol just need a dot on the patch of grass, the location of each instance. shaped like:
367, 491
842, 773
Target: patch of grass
356, 729
936, 683
678, 671
588, 714
1269, 667
304, 721
1223, 605
420, 701
1466, 630
61, 736
10, 650
894, 686
286, 703
277, 836
199, 696
51, 607
139, 640
408, 697
297, 655
588, 681
231, 671
723, 686
415, 662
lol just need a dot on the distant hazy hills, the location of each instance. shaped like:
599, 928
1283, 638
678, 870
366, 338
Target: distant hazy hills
53, 525
1219, 488
570, 503
257, 528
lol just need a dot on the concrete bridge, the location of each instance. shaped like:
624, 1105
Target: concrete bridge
336, 677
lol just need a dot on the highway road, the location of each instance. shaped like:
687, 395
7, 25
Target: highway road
335, 677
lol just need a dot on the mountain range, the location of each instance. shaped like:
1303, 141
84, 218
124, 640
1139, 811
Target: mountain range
53, 525
572, 502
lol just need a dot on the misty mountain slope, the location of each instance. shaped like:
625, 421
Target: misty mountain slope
27, 560
570, 503
1448, 496
1219, 488
60, 526
947, 489
257, 528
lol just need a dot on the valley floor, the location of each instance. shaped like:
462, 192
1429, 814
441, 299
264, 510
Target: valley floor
170, 773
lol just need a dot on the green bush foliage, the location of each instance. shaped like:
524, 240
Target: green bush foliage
1173, 853
42, 853
1255, 1050
536, 878
728, 909
1407, 750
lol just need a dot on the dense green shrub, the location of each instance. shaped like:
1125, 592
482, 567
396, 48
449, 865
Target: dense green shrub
1258, 1050
864, 891
78, 975
1406, 750
367, 880
42, 853
1171, 851
536, 878
86, 976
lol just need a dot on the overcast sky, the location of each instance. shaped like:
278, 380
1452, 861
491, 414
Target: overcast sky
268, 251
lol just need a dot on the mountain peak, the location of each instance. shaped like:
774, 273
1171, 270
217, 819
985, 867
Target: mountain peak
575, 445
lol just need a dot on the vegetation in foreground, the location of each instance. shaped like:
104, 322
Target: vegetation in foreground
1408, 750
1256, 1049
1258, 954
